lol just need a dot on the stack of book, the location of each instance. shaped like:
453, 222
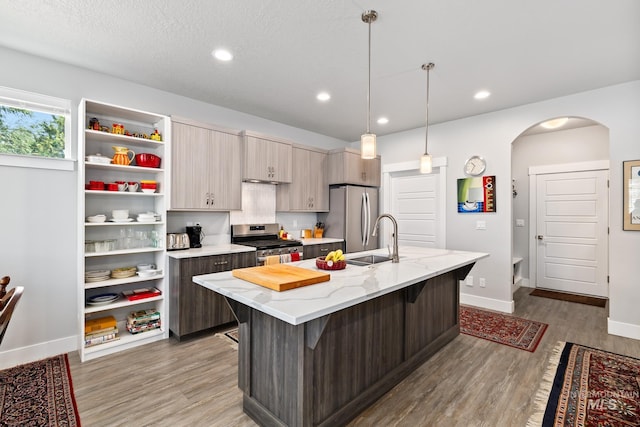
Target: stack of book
100, 330
143, 320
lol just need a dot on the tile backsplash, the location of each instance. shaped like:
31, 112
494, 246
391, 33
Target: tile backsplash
258, 207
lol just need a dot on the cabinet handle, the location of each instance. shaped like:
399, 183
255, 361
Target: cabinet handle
324, 249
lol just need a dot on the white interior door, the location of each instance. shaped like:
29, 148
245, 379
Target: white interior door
414, 204
572, 227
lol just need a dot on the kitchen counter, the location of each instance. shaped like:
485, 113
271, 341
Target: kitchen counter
210, 250
321, 241
346, 288
320, 354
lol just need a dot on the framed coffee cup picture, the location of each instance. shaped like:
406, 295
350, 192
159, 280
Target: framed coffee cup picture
631, 208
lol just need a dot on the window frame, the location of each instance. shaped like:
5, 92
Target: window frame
45, 104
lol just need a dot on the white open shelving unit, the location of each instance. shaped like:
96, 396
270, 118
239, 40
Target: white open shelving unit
131, 242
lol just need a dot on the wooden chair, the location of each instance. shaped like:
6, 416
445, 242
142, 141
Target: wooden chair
8, 301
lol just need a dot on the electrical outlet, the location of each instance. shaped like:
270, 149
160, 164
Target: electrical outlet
295, 223
482, 283
519, 222
469, 281
481, 225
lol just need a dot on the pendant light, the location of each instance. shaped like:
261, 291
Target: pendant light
368, 140
425, 160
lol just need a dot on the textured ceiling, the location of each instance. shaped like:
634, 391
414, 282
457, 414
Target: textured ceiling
288, 50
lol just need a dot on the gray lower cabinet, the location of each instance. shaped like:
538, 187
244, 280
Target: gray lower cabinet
193, 308
322, 249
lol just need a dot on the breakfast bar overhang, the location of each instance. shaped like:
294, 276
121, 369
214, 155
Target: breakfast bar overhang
319, 355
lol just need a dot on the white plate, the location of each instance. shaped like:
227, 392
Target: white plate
146, 220
102, 299
121, 220
101, 302
97, 273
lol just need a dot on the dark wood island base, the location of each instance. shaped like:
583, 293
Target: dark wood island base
328, 370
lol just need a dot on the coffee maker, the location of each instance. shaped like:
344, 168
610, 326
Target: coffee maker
195, 236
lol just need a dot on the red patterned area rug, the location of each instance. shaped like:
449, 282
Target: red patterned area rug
588, 387
38, 394
513, 331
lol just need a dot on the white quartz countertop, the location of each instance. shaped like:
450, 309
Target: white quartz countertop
348, 287
210, 250
321, 241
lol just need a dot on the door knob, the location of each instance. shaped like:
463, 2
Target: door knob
539, 236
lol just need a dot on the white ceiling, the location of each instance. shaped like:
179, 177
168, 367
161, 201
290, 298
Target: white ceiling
288, 50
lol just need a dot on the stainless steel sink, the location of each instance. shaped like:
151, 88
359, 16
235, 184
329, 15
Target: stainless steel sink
368, 260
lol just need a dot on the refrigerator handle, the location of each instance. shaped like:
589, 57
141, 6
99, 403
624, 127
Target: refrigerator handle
368, 226
363, 219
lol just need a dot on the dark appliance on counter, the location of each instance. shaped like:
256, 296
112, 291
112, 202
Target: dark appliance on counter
352, 212
195, 236
264, 237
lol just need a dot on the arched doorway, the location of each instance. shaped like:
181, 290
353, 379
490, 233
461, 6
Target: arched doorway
580, 145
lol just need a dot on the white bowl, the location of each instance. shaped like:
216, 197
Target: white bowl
120, 213
97, 218
142, 267
148, 273
148, 190
98, 158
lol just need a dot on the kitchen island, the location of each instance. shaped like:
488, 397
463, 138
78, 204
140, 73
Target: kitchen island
320, 354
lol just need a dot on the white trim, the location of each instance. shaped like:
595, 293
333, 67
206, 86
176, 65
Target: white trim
414, 165
569, 167
19, 356
437, 162
627, 330
488, 303
36, 162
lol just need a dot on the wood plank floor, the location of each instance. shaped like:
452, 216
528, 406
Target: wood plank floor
471, 382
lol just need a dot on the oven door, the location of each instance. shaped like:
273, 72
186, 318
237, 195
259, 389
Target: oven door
285, 255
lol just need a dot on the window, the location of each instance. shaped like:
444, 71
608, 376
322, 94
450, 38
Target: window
33, 126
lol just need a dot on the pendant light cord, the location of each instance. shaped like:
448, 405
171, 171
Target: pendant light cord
369, 84
428, 67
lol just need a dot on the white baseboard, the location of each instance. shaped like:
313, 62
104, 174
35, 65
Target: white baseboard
627, 330
22, 355
488, 303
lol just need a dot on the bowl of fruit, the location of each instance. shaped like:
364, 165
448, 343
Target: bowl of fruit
333, 261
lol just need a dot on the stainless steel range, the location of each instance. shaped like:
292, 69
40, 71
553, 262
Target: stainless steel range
264, 237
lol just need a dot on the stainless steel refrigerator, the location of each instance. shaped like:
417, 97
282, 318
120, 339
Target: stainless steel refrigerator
352, 212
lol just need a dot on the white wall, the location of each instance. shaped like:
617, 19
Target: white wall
38, 221
491, 135
550, 148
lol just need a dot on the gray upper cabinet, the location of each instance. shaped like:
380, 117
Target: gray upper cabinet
346, 167
266, 159
206, 167
309, 188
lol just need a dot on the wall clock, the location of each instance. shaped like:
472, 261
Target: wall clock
475, 166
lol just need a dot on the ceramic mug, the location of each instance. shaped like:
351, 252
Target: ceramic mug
122, 186
133, 186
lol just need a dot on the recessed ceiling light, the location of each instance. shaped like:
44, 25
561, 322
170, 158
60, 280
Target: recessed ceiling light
555, 123
482, 94
222, 55
383, 121
323, 96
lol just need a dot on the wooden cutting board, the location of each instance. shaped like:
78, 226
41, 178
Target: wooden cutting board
281, 277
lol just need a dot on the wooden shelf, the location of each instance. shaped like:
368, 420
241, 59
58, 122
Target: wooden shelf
113, 282
121, 302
